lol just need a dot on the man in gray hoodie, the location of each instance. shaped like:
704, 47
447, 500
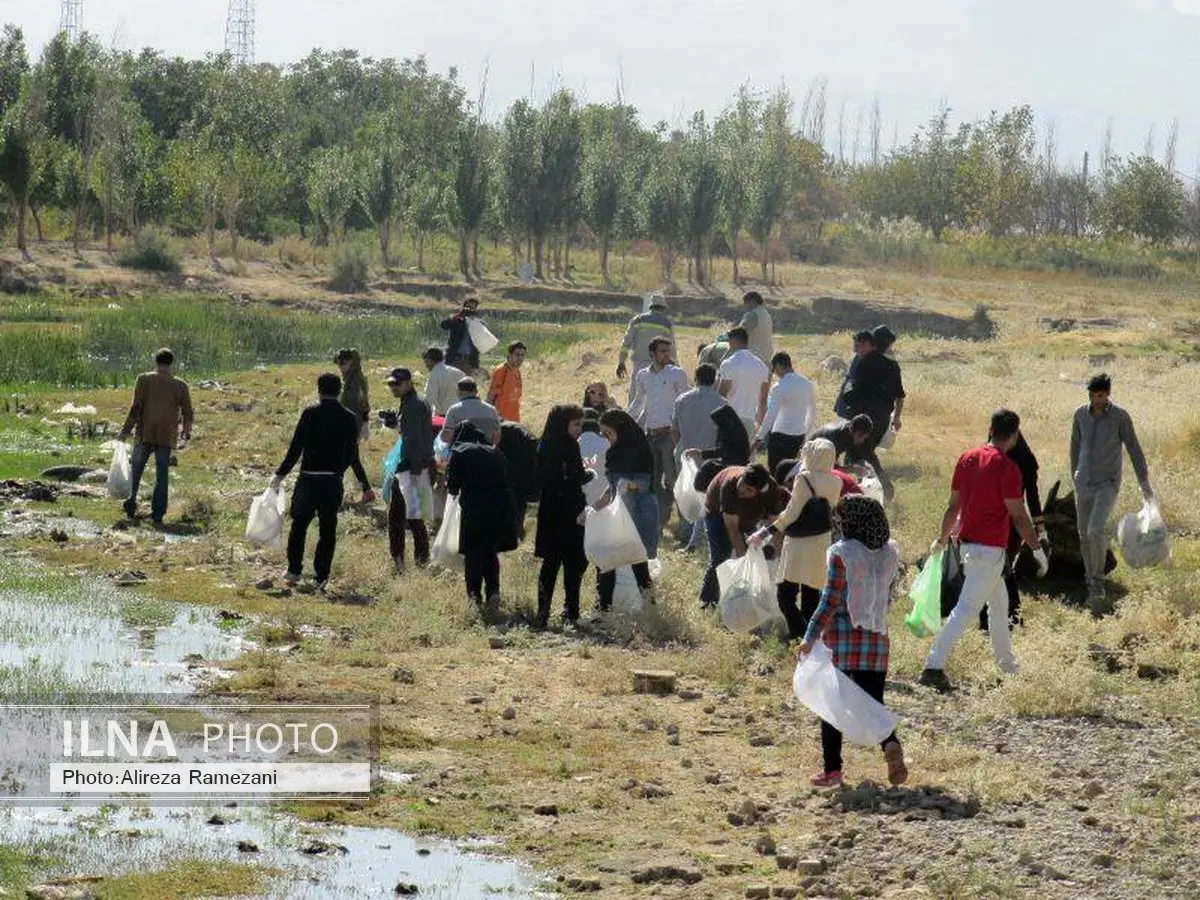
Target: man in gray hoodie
1098, 432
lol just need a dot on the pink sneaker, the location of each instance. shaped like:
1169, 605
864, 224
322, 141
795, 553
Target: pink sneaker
826, 779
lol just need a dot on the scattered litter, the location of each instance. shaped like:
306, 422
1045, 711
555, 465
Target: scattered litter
70, 409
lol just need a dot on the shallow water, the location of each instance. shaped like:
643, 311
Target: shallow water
63, 634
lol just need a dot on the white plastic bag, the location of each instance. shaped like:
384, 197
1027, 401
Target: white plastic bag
627, 596
1143, 537
610, 539
120, 474
689, 500
747, 592
888, 441
483, 339
445, 546
265, 522
872, 487
829, 692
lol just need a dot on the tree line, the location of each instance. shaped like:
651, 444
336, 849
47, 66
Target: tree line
117, 141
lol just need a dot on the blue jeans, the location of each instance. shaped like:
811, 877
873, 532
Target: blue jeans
720, 548
642, 506
162, 468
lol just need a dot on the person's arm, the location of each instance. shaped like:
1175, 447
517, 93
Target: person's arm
360, 473
626, 346
637, 406
734, 527
768, 416
1075, 436
454, 475
185, 405
898, 391
135, 409
724, 386
1136, 456
1022, 522
896, 414
448, 427
496, 384
762, 399
832, 597
447, 323
950, 517
295, 448
810, 413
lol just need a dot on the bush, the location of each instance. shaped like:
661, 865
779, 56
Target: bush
350, 269
150, 252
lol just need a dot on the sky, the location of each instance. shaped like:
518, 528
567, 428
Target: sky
1078, 63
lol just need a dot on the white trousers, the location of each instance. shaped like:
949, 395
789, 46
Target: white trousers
983, 573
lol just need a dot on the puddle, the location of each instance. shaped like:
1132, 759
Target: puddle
76, 635
61, 633
19, 523
124, 840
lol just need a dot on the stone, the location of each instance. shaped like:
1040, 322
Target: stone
652, 791
672, 729
217, 819
509, 713
1104, 860
786, 891
673, 740
265, 584
758, 891
582, 885
660, 872
1152, 672
317, 847
405, 889
813, 866
423, 851
685, 694
764, 844
401, 675
786, 860
496, 642
247, 847
735, 819
712, 778
647, 681
546, 809
475, 700
58, 892
761, 740
1093, 789
1089, 821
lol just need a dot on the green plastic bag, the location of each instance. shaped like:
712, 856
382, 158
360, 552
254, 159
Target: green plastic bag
926, 595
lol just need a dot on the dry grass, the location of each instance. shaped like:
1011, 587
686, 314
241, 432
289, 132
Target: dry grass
579, 734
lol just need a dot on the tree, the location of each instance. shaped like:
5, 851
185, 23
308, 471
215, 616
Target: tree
471, 176
737, 139
331, 191
124, 145
665, 203
194, 174
771, 184
379, 183
17, 170
14, 64
555, 206
1145, 200
521, 166
701, 193
610, 143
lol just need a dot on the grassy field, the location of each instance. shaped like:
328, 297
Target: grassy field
1067, 781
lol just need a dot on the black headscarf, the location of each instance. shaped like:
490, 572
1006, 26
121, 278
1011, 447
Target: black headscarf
631, 454
555, 437
733, 444
470, 433
864, 520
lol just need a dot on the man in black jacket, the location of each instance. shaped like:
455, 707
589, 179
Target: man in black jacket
325, 444
411, 500
461, 351
874, 388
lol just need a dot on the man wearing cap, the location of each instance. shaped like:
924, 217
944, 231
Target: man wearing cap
325, 443
651, 324
411, 500
758, 324
470, 408
441, 386
460, 350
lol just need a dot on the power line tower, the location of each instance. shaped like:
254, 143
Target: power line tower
239, 32
68, 20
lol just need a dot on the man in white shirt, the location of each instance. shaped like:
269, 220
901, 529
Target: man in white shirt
744, 381
758, 325
441, 387
655, 389
791, 413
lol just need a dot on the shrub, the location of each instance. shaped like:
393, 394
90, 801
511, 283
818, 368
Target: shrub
150, 252
350, 269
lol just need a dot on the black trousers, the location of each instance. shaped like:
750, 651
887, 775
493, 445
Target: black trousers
319, 497
831, 738
797, 618
782, 446
482, 571
606, 583
572, 570
397, 521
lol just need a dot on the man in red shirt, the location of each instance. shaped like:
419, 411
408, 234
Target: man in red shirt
985, 496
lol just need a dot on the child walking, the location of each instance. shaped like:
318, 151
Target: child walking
852, 619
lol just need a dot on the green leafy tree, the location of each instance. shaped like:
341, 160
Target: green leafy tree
773, 174
1145, 200
331, 191
737, 135
701, 175
14, 64
18, 172
471, 177
666, 203
521, 167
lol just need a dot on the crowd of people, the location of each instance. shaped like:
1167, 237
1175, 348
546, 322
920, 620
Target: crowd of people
804, 503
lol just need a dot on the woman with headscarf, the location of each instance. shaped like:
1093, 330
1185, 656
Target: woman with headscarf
629, 466
802, 567
354, 388
597, 397
852, 620
733, 447
478, 476
559, 540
